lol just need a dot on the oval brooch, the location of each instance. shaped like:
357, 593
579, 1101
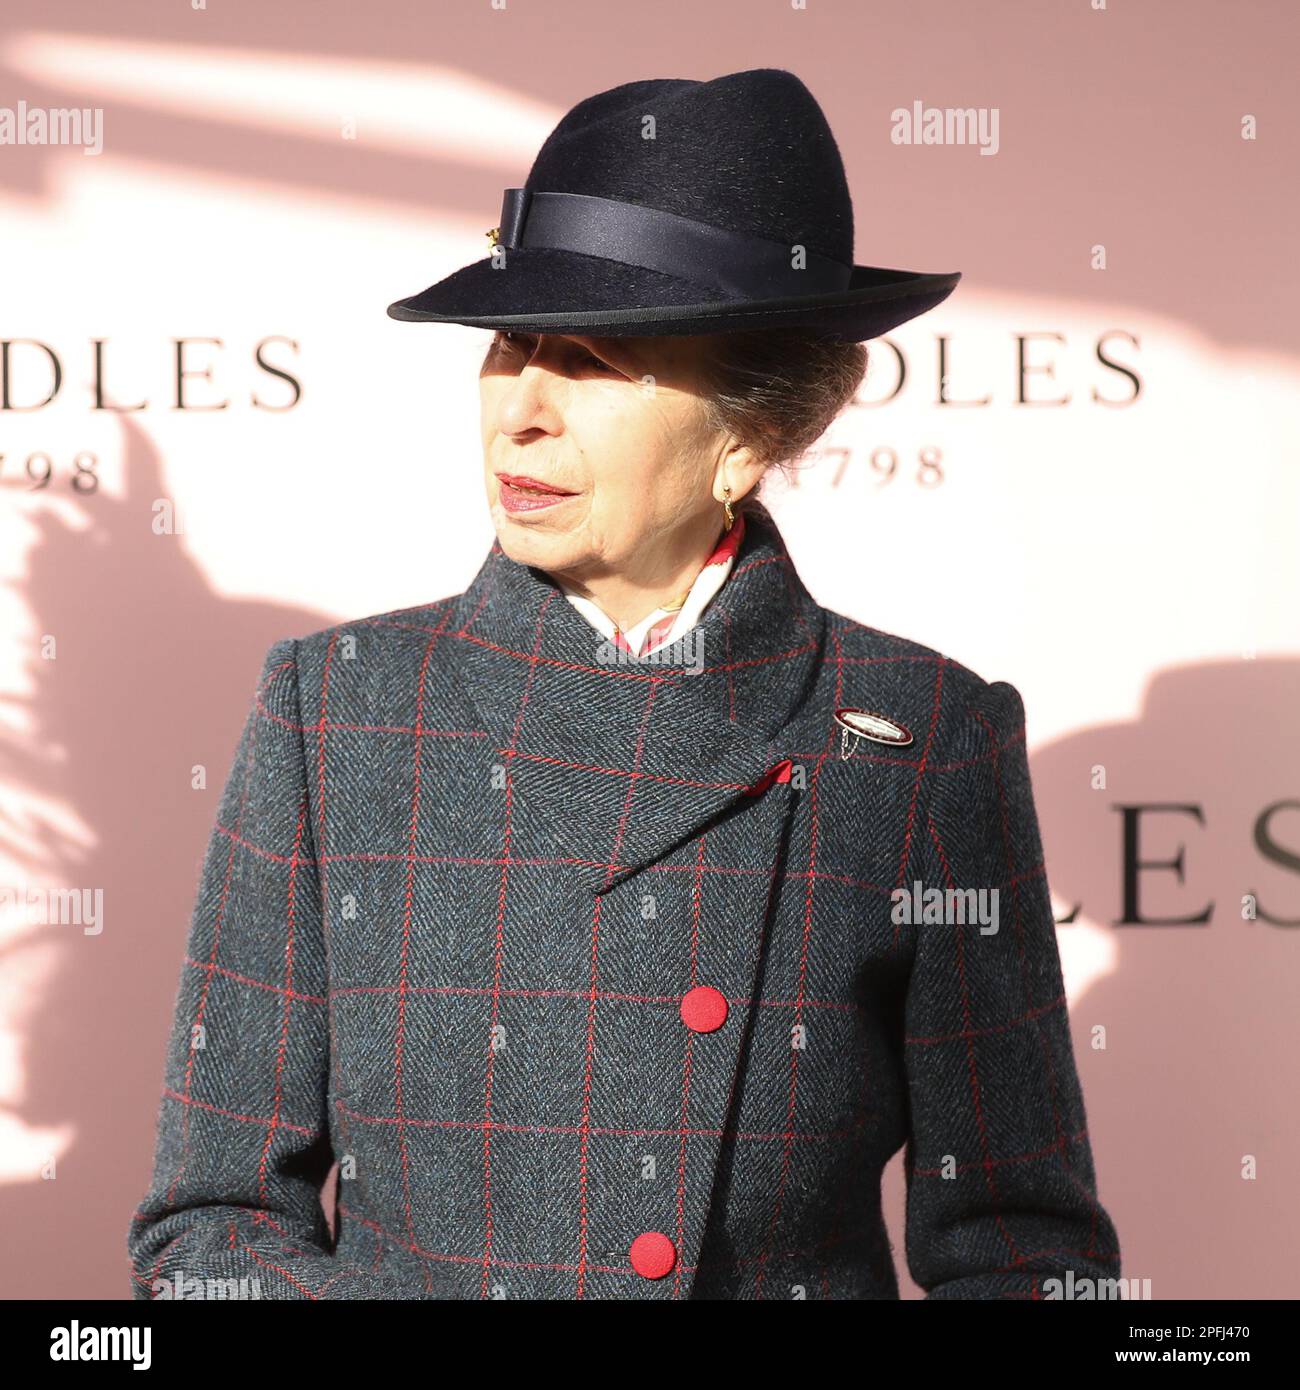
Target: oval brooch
864, 723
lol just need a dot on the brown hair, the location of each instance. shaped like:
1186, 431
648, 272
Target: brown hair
777, 390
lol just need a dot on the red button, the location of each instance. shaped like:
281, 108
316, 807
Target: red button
653, 1255
704, 1009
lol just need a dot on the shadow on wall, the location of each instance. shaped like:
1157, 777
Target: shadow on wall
154, 673
1200, 1063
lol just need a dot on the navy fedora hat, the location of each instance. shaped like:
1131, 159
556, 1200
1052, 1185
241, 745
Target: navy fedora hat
672, 206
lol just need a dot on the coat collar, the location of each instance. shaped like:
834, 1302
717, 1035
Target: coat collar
616, 760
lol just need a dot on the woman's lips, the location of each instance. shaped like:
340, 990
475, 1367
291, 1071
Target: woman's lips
527, 495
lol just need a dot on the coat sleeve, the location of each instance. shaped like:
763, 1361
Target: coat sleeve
243, 1140
1001, 1191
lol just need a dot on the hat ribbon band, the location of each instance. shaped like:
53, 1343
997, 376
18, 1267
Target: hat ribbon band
733, 262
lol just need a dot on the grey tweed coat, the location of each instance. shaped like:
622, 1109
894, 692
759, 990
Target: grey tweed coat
590, 977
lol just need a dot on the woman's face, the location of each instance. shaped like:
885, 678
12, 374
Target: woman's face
616, 427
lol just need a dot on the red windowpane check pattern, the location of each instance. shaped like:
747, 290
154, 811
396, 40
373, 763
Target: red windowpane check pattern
463, 880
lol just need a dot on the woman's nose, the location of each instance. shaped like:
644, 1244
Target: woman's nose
529, 403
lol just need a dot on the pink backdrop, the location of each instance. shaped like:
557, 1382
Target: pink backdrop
1121, 545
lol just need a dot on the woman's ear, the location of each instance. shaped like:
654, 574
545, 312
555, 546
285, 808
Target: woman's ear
738, 468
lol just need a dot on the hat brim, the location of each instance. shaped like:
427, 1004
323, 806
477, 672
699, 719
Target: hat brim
538, 291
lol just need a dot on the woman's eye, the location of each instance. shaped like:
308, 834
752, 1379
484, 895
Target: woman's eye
522, 343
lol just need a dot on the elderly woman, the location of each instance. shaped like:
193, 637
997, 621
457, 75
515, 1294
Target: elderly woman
612, 924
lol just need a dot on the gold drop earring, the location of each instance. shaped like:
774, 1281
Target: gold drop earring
726, 506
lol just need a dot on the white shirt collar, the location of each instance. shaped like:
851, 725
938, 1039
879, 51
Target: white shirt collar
666, 625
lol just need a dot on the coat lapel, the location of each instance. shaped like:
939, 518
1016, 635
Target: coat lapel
619, 761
